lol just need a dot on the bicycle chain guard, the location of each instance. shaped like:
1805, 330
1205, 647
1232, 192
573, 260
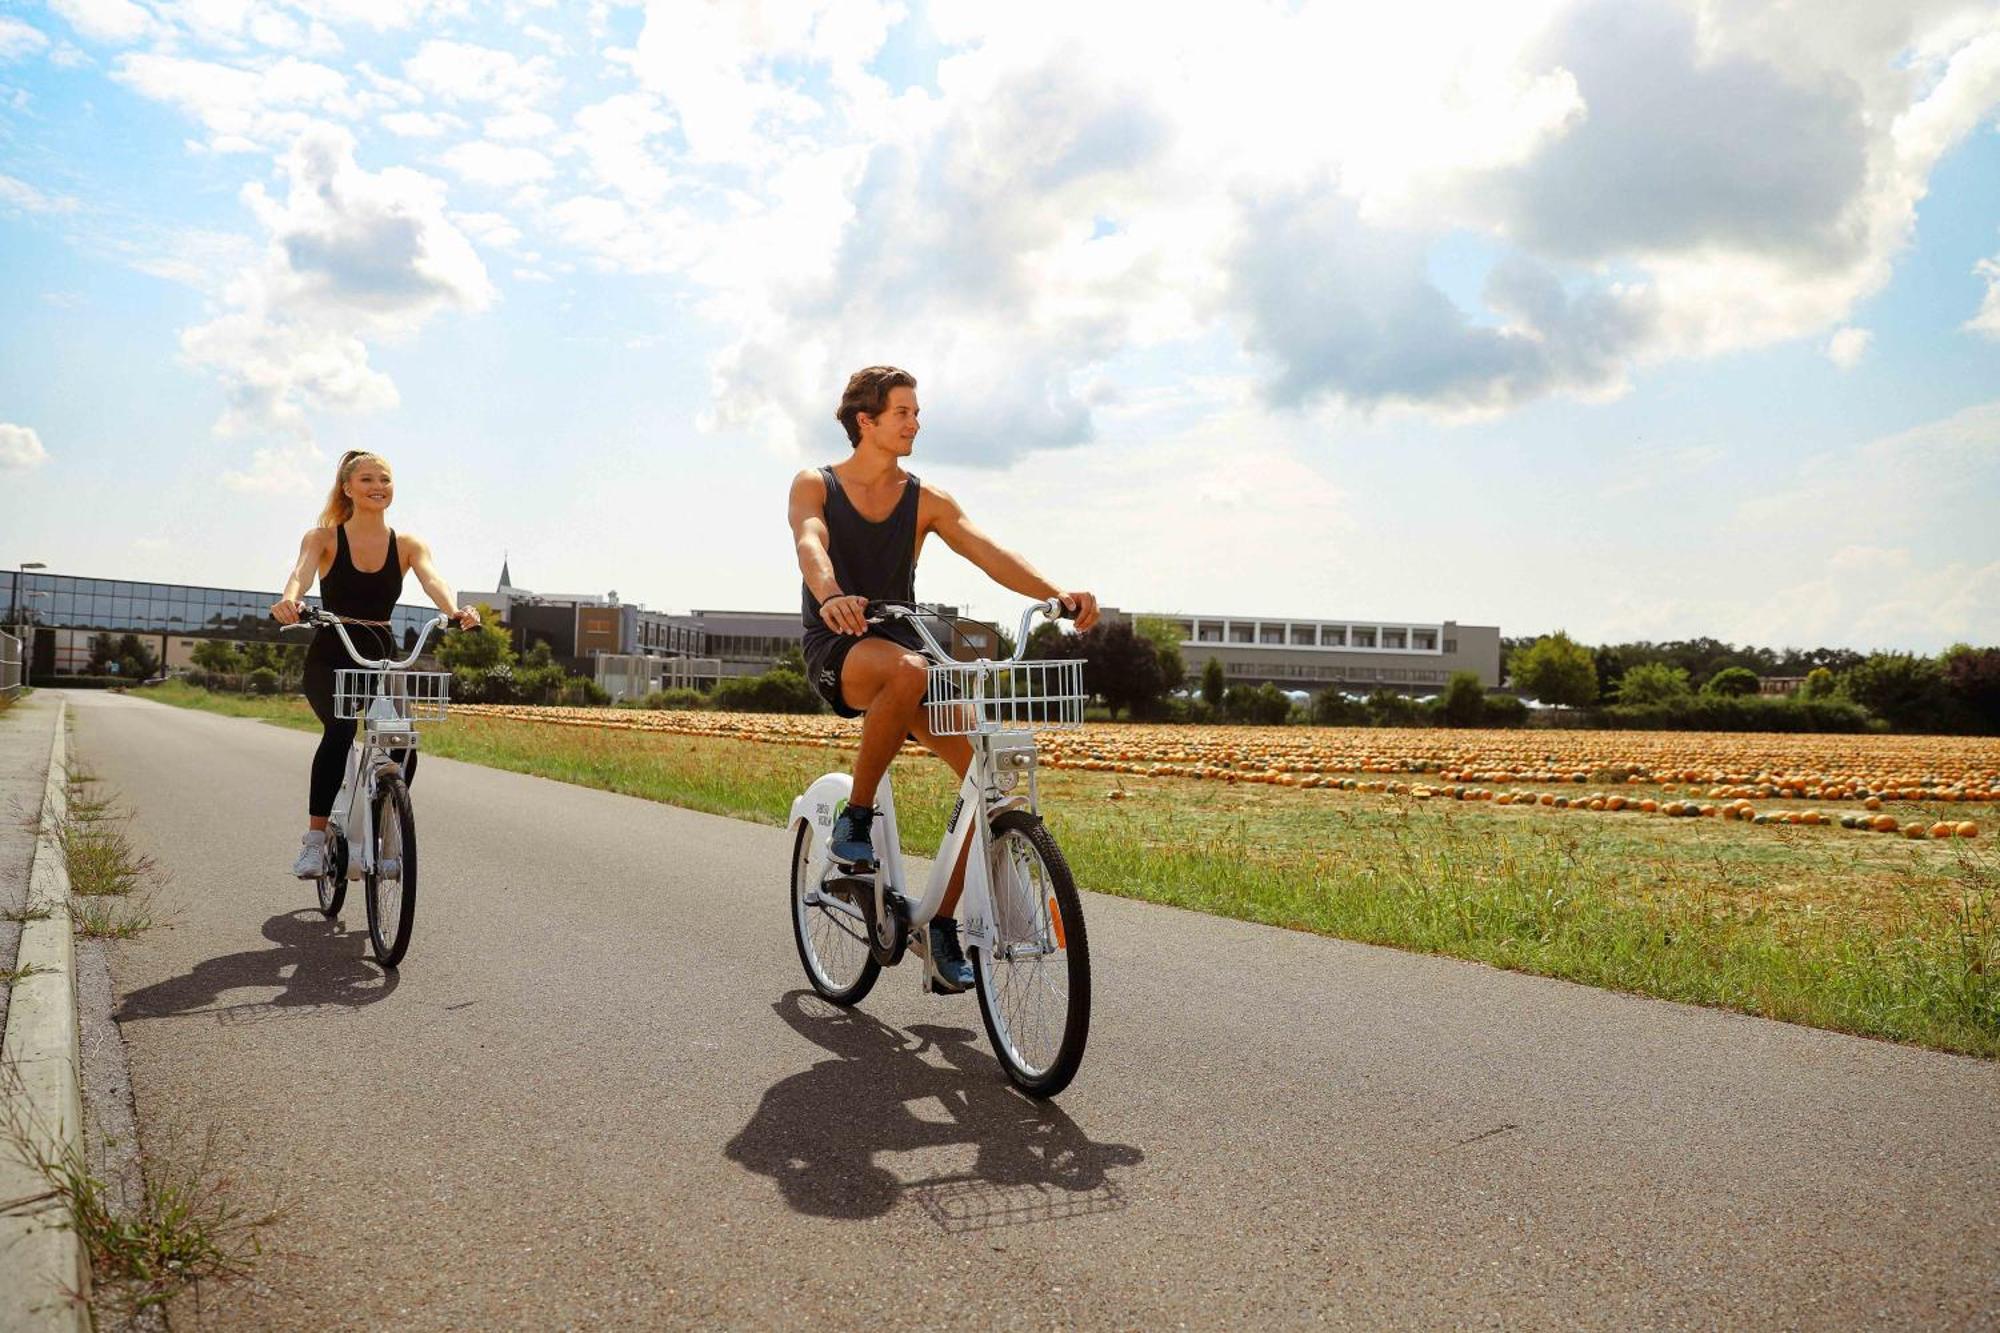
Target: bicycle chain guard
888, 931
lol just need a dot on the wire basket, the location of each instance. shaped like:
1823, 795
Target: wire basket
390, 696
972, 697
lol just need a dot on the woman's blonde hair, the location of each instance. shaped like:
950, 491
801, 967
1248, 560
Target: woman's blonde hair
339, 508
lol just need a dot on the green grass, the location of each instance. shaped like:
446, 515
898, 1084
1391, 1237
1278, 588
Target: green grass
188, 1233
1851, 932
110, 883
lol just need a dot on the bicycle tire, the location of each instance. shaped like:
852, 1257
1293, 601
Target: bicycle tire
395, 837
332, 882
1008, 986
832, 948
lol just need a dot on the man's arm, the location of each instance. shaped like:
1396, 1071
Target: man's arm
840, 612
1007, 568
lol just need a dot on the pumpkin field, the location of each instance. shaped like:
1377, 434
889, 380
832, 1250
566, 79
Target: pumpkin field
1901, 785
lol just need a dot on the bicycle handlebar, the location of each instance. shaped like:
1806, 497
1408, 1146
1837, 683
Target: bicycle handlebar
1053, 608
314, 617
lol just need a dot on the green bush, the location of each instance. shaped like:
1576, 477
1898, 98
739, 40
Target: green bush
1732, 682
1738, 713
1331, 708
1654, 685
1265, 705
1464, 700
681, 698
777, 691
264, 680
1502, 710
1387, 708
583, 692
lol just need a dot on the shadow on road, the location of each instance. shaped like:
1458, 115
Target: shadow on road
315, 966
819, 1133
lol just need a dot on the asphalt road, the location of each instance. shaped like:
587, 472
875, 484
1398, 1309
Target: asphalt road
597, 1094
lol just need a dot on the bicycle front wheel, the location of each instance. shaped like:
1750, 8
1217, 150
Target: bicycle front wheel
392, 885
831, 933
1034, 992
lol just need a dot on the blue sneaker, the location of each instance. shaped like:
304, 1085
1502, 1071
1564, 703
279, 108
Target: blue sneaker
949, 970
851, 843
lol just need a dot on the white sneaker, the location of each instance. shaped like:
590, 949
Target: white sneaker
312, 856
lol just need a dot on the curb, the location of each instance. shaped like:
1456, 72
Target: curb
43, 1274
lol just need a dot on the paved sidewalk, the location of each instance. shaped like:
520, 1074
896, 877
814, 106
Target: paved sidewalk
26, 730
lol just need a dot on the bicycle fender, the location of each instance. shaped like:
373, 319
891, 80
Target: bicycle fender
820, 801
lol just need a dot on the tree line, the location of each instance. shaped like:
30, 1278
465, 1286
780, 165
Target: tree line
1712, 685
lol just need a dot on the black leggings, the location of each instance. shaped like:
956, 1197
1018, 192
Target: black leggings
330, 760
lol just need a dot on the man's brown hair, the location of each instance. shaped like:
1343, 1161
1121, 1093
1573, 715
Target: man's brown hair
868, 391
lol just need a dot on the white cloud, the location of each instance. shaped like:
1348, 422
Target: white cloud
1958, 456
294, 469
243, 109
118, 22
492, 229
622, 139
1847, 346
517, 125
20, 448
353, 256
19, 40
19, 194
1058, 200
1987, 321
463, 72
421, 124
486, 163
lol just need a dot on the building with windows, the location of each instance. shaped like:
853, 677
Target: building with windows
59, 615
580, 627
748, 642
1355, 655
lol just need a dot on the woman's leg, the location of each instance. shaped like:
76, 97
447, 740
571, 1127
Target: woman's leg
329, 763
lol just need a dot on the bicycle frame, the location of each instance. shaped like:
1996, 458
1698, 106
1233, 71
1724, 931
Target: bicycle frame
981, 792
376, 736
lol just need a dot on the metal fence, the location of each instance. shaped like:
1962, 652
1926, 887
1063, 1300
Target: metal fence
13, 667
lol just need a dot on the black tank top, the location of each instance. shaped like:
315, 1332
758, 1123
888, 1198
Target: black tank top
346, 591
873, 560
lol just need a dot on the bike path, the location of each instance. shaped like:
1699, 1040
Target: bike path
595, 1095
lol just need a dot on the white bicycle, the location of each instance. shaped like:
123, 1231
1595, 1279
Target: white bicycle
1020, 916
371, 832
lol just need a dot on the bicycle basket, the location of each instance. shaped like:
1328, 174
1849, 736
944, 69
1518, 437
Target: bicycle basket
971, 697
390, 696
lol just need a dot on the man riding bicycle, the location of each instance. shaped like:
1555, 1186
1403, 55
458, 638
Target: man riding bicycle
859, 526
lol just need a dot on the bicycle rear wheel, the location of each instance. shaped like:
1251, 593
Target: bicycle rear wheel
392, 885
831, 933
332, 882
1034, 993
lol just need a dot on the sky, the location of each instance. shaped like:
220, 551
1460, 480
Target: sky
1643, 319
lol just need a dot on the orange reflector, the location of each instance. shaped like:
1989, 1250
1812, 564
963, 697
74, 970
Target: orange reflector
1055, 919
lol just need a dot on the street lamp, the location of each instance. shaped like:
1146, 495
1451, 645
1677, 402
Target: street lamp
14, 603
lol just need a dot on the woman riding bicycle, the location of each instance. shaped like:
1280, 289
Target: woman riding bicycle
360, 562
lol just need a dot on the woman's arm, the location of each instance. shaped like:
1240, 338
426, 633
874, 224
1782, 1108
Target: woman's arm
289, 604
433, 583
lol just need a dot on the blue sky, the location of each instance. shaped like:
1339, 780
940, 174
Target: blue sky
1640, 318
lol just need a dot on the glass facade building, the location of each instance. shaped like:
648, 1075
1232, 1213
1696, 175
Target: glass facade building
65, 612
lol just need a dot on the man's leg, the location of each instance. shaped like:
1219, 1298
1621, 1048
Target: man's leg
886, 681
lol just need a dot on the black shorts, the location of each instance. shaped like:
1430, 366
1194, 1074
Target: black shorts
826, 656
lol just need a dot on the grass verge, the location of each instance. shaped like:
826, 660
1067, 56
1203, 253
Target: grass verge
1874, 936
111, 885
189, 1231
